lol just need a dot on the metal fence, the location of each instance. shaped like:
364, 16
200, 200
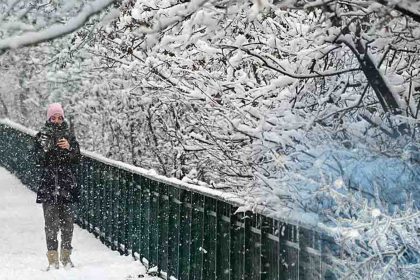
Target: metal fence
176, 231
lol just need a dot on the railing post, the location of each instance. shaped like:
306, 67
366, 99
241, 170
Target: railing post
252, 246
103, 182
237, 245
185, 237
145, 219
108, 196
154, 224
129, 210
82, 205
96, 199
174, 225
2, 145
223, 254
89, 194
122, 217
289, 251
269, 250
163, 218
114, 204
209, 239
137, 206
197, 229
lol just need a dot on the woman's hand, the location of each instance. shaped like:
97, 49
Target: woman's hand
63, 144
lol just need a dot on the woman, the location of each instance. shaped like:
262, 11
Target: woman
57, 151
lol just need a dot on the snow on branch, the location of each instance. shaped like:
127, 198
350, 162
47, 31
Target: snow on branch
57, 30
410, 8
407, 8
268, 64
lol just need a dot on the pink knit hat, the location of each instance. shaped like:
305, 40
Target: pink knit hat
54, 108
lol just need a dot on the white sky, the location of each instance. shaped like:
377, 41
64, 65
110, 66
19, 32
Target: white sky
22, 243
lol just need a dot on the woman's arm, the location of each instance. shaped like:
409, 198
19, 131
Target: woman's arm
74, 150
42, 147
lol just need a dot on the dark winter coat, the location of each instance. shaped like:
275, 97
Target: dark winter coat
58, 182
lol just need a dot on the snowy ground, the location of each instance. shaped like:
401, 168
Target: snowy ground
22, 243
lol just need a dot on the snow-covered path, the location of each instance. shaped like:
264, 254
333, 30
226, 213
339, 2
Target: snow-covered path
22, 243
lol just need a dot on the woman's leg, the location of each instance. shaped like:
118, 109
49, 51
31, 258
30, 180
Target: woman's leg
51, 217
66, 225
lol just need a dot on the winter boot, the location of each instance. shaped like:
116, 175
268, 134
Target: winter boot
52, 256
65, 257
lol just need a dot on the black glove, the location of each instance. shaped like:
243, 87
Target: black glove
46, 142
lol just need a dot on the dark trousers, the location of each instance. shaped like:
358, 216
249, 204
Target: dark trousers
58, 217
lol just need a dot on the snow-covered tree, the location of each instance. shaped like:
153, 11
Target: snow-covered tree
304, 105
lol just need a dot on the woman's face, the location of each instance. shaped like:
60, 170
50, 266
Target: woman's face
56, 119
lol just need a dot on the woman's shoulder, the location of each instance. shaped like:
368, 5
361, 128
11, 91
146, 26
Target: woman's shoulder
45, 129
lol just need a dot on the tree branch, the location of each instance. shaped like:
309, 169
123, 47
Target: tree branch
267, 64
398, 7
58, 30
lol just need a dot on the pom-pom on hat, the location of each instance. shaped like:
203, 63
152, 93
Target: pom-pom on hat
55, 108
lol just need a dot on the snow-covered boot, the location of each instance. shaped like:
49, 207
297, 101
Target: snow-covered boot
52, 256
65, 257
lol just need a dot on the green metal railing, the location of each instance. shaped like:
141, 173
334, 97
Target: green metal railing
178, 231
